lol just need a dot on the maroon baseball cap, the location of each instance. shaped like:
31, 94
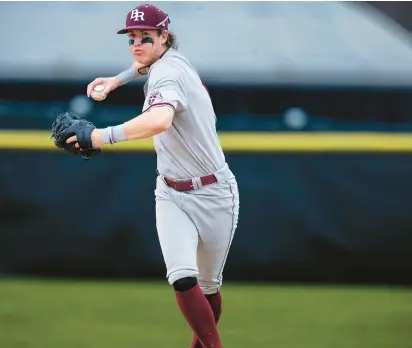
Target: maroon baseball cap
146, 17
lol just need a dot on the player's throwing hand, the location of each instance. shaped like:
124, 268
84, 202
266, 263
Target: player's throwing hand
109, 84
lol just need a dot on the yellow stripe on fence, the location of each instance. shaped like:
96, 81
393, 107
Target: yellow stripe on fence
243, 142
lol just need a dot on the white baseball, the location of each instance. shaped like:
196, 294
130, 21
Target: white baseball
97, 93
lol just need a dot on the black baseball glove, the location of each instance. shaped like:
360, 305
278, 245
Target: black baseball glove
69, 124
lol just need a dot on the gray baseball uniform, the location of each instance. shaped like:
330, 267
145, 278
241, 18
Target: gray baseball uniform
195, 227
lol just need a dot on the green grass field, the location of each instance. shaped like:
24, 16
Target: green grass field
87, 314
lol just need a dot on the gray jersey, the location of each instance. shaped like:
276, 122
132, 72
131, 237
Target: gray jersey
190, 147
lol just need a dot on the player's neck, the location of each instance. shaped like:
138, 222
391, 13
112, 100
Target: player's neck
161, 53
157, 57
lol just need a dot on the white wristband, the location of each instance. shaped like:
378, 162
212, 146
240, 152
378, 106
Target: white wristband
127, 76
113, 135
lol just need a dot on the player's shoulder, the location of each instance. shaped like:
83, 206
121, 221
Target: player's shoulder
173, 63
173, 55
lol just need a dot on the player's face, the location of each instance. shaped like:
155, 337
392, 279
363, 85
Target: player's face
146, 45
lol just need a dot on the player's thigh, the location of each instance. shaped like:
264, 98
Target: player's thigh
217, 231
178, 239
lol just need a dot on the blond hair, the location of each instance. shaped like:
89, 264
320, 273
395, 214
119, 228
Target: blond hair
171, 41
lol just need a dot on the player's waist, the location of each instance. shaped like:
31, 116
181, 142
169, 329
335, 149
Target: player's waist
195, 183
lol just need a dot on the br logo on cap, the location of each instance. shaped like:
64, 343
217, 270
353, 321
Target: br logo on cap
137, 15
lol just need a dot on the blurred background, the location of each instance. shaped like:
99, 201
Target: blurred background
314, 110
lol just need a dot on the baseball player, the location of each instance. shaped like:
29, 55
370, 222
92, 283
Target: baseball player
197, 199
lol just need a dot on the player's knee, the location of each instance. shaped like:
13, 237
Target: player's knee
179, 273
209, 288
185, 284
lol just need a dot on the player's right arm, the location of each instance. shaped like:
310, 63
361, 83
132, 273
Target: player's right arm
111, 83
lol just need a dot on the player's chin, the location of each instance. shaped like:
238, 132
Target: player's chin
143, 59
140, 58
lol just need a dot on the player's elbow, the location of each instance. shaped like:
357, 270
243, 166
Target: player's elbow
163, 118
164, 124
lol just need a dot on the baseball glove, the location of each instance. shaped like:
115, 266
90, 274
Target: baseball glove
69, 124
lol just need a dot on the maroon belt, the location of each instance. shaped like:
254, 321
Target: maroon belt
187, 185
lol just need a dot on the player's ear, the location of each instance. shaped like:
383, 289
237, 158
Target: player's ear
163, 36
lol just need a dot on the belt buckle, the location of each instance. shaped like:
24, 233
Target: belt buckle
185, 182
190, 186
176, 182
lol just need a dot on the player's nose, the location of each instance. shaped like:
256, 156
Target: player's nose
137, 42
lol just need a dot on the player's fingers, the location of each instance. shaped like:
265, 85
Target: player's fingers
107, 88
77, 145
93, 84
90, 87
71, 139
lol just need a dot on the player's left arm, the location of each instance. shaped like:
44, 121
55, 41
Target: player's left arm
164, 97
154, 121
